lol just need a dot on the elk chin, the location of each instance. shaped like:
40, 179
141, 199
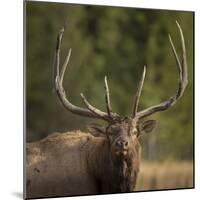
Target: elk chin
120, 153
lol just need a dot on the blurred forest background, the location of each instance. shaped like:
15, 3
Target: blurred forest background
116, 42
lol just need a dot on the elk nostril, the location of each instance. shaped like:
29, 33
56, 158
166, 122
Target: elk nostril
122, 144
125, 143
118, 143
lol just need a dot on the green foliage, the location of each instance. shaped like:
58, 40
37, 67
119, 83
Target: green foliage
116, 42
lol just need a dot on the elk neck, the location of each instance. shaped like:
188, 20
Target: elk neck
111, 174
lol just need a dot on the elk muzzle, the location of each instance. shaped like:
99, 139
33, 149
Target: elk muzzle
121, 146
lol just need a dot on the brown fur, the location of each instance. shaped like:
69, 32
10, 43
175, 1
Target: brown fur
77, 163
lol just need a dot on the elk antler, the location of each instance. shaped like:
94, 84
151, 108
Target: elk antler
93, 112
138, 93
90, 111
183, 81
107, 97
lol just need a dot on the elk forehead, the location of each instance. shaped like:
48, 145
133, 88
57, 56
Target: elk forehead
125, 127
124, 131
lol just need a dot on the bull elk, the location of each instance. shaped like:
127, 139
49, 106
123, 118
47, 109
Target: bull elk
105, 160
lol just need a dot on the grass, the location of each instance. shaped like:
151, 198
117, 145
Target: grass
165, 175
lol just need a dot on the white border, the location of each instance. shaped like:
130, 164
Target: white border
11, 97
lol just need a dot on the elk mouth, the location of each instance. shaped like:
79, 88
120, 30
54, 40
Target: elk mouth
121, 152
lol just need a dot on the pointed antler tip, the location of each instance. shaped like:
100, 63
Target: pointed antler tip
83, 97
62, 29
81, 94
177, 22
179, 26
70, 51
144, 70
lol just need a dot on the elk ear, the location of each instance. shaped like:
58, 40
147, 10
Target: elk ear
147, 126
96, 130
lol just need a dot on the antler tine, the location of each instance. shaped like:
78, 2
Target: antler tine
184, 61
93, 109
107, 98
57, 54
65, 66
183, 80
110, 115
136, 98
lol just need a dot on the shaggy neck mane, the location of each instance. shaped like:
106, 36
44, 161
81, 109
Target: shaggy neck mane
112, 175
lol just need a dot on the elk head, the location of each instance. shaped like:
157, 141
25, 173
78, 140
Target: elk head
122, 132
